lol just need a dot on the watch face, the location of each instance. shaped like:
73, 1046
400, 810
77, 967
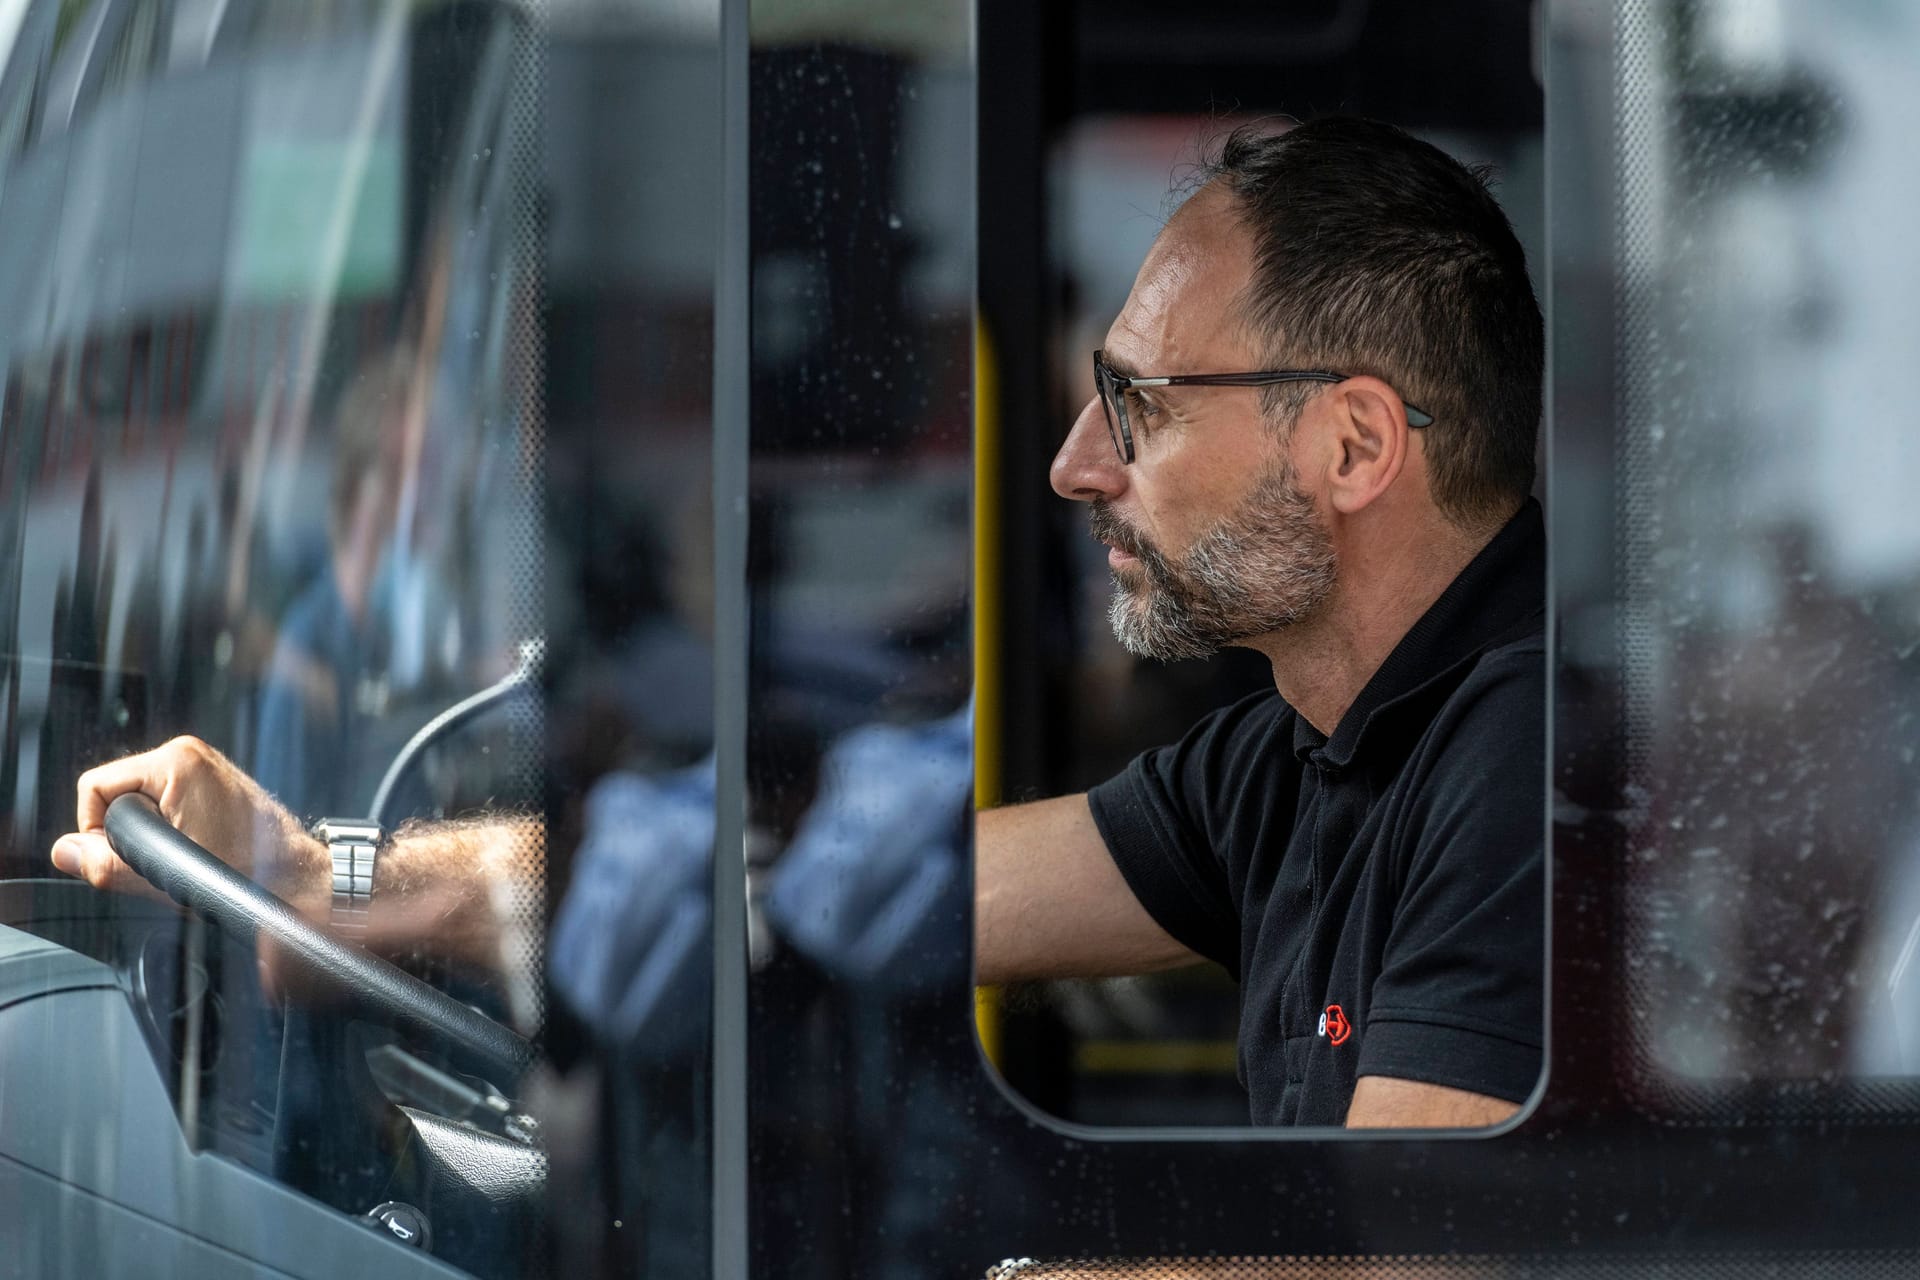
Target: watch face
335, 830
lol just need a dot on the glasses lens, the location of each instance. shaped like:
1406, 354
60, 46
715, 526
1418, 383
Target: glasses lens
1110, 401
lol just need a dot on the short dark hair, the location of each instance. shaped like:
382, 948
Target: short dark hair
1379, 253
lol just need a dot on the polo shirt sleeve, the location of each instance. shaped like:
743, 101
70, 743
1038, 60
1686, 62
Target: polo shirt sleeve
1458, 998
1164, 820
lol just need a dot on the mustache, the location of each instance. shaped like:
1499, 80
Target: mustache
1115, 532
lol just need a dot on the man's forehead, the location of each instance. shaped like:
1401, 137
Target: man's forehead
1185, 300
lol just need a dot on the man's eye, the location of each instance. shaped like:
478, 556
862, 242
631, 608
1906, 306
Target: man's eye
1141, 408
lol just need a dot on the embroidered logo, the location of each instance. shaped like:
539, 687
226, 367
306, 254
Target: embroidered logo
1334, 1025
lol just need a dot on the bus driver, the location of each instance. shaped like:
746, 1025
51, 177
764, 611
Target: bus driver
1313, 437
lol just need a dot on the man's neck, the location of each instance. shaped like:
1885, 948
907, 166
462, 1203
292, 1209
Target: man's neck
1320, 665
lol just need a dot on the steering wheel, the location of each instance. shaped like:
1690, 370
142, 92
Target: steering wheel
196, 879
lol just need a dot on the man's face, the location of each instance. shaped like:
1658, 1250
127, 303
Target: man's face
1264, 566
1212, 537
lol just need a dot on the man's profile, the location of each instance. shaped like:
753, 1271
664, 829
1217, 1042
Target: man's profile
1313, 436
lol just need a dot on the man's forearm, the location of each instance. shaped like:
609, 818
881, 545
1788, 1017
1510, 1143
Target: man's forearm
1050, 903
454, 886
455, 889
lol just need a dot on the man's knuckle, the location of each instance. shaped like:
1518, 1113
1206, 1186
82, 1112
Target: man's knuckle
187, 753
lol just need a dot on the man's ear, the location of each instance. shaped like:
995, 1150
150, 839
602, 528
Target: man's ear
1369, 426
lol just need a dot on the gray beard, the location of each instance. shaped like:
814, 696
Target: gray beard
1266, 566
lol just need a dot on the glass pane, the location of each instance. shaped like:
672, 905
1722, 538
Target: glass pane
631, 583
860, 745
326, 440
1758, 603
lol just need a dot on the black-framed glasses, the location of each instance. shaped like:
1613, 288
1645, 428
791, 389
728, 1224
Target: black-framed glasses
1114, 386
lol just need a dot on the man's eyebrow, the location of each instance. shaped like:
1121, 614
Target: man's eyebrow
1120, 365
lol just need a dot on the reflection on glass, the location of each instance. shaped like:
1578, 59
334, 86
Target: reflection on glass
859, 736
630, 623
1768, 552
272, 399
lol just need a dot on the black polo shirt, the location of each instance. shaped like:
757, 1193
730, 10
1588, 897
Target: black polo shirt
1377, 894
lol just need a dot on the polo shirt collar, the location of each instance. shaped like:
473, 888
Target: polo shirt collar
1500, 591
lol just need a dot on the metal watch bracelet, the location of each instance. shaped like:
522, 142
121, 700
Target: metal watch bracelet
353, 846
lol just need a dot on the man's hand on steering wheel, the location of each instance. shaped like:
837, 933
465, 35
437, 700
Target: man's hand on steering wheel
210, 800
197, 810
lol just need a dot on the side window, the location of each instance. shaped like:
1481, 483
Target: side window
273, 457
645, 634
1751, 625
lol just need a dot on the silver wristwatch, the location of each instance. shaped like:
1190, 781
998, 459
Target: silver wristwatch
353, 844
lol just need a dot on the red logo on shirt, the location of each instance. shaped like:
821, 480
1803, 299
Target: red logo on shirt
1334, 1025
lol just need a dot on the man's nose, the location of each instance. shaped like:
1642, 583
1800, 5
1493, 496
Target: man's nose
1088, 466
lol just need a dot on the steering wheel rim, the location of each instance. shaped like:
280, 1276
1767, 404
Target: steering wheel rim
199, 881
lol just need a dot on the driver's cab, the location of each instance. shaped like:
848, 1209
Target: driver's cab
265, 291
